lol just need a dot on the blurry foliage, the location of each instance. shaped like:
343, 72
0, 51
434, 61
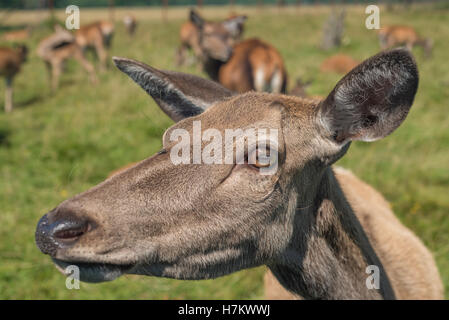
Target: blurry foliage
35, 4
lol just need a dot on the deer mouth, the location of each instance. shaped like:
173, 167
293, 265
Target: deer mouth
91, 271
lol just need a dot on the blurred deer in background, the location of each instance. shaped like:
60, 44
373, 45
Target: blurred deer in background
130, 23
56, 49
339, 63
190, 36
11, 60
300, 90
236, 25
17, 35
96, 36
317, 229
391, 36
251, 64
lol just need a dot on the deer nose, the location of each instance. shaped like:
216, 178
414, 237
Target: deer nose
62, 232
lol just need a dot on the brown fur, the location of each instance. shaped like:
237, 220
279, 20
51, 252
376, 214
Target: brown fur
189, 35
17, 35
251, 64
11, 61
339, 63
299, 90
116, 171
396, 35
96, 35
130, 23
317, 229
189, 38
56, 49
238, 32
240, 72
409, 265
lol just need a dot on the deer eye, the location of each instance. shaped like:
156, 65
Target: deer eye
261, 158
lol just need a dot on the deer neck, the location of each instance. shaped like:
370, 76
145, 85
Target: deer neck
329, 252
212, 67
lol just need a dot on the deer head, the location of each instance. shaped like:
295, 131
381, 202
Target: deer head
217, 38
200, 221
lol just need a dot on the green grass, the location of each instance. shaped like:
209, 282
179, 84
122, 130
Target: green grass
55, 146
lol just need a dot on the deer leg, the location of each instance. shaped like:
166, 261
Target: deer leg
102, 55
180, 55
427, 45
8, 95
56, 69
79, 56
49, 71
391, 42
383, 42
198, 53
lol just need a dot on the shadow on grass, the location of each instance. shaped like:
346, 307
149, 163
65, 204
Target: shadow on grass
30, 101
5, 133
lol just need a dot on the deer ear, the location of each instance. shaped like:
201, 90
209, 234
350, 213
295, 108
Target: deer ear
372, 100
233, 25
196, 19
178, 94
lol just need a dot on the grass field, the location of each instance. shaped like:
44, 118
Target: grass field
55, 146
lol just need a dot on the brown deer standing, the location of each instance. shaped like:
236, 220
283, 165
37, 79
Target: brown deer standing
391, 36
251, 64
130, 23
339, 63
11, 61
316, 228
56, 49
189, 35
96, 36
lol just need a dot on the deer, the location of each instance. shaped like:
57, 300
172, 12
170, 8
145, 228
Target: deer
251, 64
317, 228
11, 60
338, 63
17, 35
189, 35
300, 90
130, 23
235, 23
97, 36
56, 49
396, 35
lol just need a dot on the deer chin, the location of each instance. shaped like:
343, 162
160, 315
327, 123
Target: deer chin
200, 266
93, 272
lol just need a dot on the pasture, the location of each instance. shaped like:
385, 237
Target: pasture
53, 146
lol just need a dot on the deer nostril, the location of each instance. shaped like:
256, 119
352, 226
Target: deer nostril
50, 236
68, 231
